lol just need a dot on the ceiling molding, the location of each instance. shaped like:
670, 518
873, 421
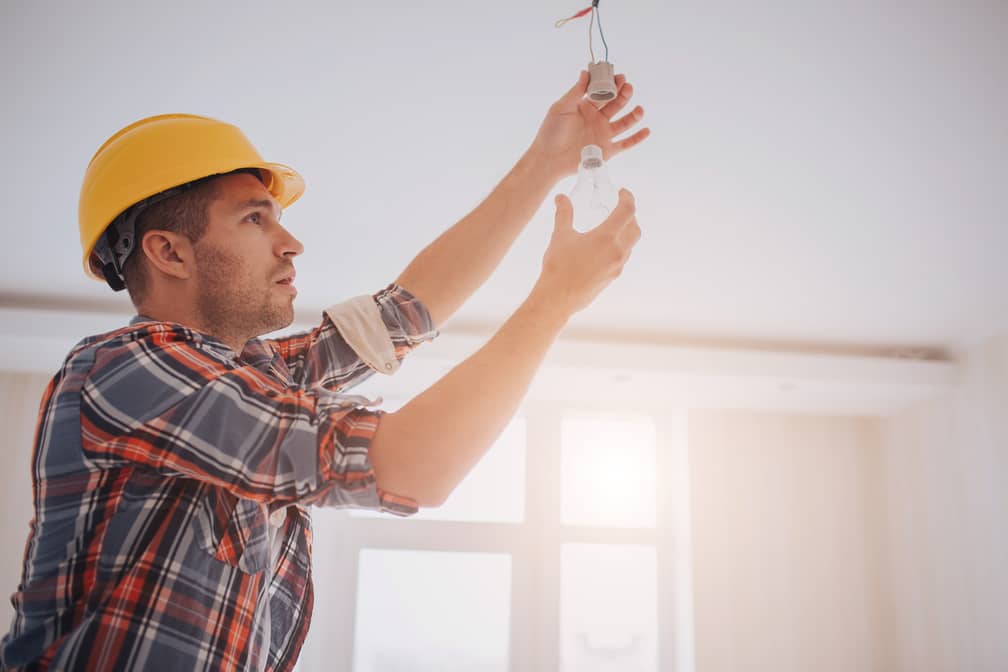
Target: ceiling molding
582, 367
120, 305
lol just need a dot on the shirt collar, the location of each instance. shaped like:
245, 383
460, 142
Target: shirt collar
202, 337
255, 353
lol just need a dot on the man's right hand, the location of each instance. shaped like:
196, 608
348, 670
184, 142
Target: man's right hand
426, 448
578, 266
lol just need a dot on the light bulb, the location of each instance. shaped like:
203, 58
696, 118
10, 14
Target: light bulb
594, 196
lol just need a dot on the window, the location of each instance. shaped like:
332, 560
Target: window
556, 552
608, 471
608, 610
423, 611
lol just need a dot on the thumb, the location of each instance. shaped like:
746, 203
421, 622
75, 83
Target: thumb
564, 220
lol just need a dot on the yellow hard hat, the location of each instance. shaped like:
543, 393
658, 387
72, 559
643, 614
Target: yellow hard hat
161, 152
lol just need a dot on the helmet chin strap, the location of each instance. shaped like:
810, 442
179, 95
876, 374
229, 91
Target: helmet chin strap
118, 243
119, 239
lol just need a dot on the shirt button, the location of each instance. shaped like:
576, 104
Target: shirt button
388, 365
278, 517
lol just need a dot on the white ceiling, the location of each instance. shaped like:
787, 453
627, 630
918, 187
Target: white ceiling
826, 173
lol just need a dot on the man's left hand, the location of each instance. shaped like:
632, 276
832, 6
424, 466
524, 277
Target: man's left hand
574, 121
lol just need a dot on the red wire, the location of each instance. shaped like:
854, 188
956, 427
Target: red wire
583, 12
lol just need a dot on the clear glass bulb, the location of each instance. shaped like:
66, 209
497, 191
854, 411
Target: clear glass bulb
594, 196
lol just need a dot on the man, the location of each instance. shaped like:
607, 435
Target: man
176, 458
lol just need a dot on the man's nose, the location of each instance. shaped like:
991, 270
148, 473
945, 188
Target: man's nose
288, 245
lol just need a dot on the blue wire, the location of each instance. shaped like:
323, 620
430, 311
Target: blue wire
598, 16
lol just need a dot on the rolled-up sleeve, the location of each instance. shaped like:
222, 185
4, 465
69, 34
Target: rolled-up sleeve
358, 337
181, 411
383, 328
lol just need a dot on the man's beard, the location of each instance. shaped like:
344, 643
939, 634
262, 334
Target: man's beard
233, 303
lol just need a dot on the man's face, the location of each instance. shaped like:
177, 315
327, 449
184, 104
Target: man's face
244, 261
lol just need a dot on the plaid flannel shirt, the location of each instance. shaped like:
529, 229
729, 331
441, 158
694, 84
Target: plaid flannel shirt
171, 481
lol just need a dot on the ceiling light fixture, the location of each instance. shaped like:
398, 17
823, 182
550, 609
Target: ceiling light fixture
602, 83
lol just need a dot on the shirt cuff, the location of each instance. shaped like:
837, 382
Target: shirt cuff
382, 328
360, 323
346, 459
397, 504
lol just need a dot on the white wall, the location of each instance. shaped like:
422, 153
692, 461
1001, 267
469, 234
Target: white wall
785, 542
20, 394
856, 544
946, 483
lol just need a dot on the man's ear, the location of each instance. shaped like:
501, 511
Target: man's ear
169, 252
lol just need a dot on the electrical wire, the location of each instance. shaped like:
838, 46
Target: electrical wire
562, 22
596, 17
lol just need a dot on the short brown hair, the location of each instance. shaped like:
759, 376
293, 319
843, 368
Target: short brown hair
185, 213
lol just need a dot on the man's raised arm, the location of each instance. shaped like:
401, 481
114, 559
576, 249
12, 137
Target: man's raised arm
449, 270
423, 450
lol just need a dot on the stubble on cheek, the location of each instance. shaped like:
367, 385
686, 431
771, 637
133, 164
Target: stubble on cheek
235, 300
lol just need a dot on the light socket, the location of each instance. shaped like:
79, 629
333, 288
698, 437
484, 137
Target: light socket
602, 85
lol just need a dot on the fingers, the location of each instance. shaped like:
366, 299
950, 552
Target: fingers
627, 121
634, 140
564, 218
620, 232
629, 235
624, 91
621, 214
627, 204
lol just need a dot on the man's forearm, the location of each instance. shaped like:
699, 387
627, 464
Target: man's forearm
449, 270
424, 449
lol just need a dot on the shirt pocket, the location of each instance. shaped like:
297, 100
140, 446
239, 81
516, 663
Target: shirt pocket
234, 531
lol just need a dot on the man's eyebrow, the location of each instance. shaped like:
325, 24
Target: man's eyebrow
260, 203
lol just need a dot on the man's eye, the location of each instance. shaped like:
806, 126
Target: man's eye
254, 218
